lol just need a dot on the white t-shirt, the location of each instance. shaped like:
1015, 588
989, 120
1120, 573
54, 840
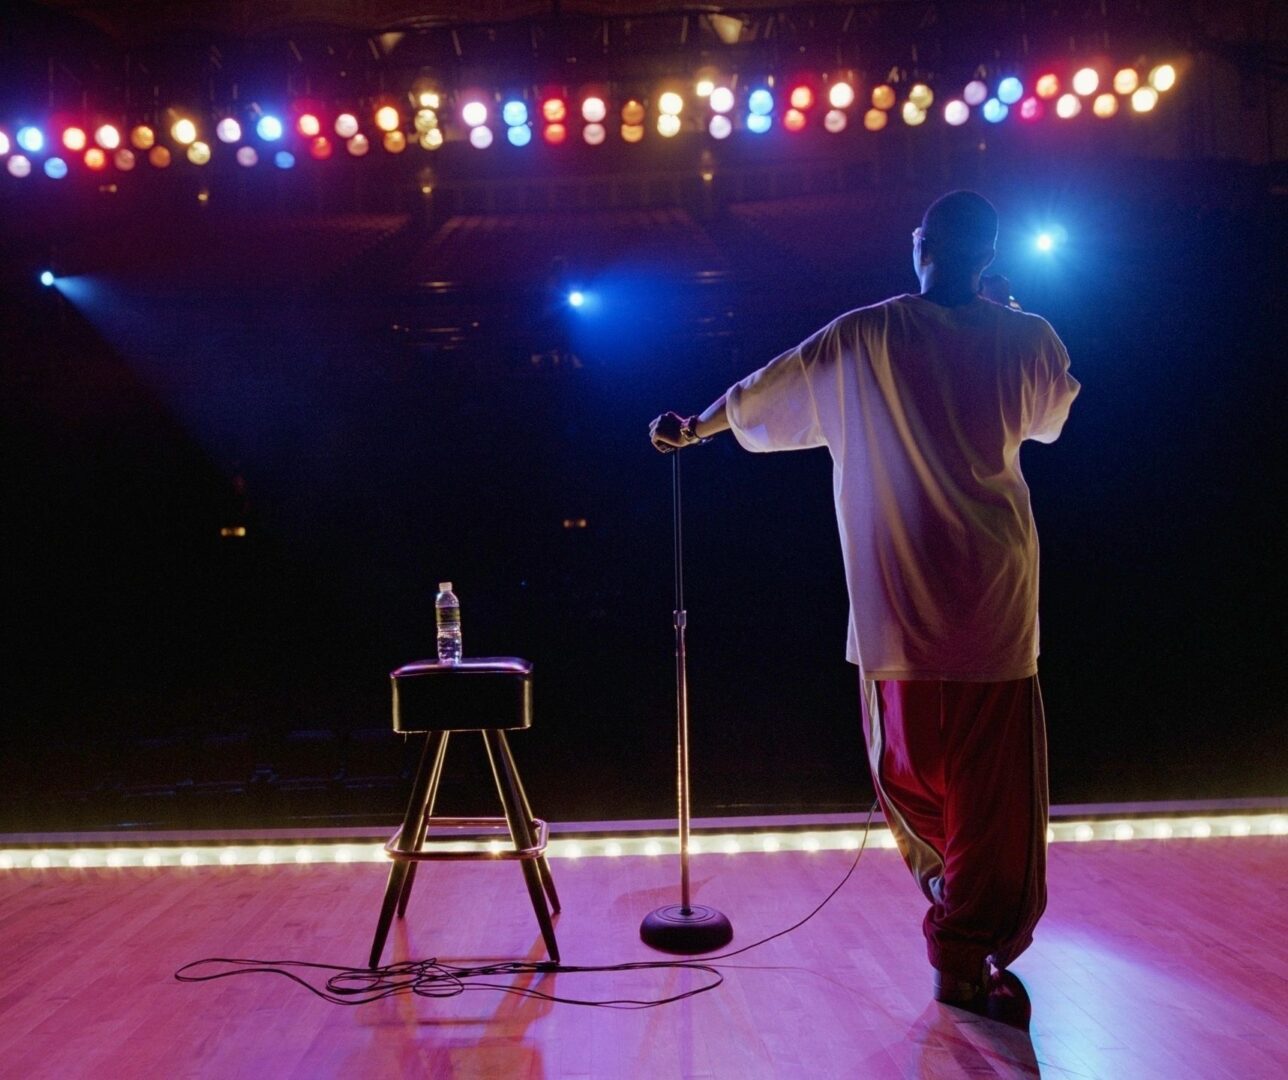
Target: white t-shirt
923, 409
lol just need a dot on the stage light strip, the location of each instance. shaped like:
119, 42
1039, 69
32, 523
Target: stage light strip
1125, 92
732, 843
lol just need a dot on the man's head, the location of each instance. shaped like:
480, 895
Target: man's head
957, 237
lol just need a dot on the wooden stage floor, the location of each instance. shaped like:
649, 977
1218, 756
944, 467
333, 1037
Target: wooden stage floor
1155, 959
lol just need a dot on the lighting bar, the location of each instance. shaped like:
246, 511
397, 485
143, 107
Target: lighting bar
1128, 91
754, 841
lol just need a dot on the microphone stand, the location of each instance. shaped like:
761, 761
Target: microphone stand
685, 927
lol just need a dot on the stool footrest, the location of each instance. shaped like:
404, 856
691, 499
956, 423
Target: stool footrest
539, 829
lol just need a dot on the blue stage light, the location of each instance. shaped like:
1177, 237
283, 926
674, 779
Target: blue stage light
520, 135
31, 139
284, 159
1010, 90
47, 278
761, 102
1048, 239
269, 128
55, 168
758, 123
994, 111
514, 113
576, 298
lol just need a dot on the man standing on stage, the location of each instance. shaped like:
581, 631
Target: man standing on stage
923, 402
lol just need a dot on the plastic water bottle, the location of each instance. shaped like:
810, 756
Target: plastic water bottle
447, 614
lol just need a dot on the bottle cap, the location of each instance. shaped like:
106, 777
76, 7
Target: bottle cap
444, 586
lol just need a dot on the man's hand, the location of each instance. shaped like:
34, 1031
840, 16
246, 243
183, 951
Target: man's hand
666, 434
671, 431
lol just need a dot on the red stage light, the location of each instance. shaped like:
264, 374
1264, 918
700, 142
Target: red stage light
309, 125
794, 120
802, 97
1031, 109
74, 139
95, 159
320, 148
554, 134
555, 111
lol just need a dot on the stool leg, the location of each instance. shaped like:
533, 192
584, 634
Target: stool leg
406, 838
521, 832
435, 776
547, 878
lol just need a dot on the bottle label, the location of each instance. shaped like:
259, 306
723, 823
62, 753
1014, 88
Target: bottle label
449, 618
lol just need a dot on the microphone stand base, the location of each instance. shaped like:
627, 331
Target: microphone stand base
676, 929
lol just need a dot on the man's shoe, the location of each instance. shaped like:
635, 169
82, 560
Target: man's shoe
998, 995
1007, 1001
969, 994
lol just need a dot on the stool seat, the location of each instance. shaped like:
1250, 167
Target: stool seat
485, 694
490, 695
467, 665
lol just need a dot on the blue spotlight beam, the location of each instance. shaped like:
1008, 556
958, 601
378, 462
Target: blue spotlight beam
1048, 239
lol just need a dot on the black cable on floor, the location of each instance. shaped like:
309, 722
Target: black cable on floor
429, 978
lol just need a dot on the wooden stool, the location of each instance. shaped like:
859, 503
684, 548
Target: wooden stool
490, 696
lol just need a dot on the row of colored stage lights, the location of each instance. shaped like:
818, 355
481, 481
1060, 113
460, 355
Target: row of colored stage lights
714, 107
768, 842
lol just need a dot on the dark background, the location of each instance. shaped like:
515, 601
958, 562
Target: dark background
386, 389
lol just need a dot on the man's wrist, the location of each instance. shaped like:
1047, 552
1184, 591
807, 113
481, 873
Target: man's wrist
689, 431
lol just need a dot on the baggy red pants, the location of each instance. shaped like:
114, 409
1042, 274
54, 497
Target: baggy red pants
960, 770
